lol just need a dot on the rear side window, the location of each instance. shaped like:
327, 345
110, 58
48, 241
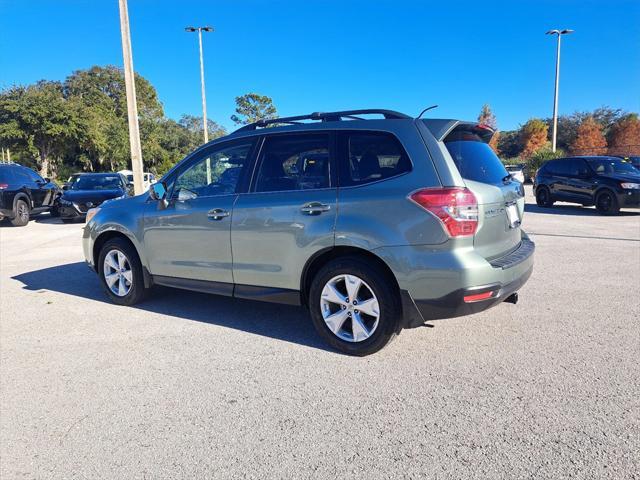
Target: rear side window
372, 156
6, 175
559, 167
474, 158
294, 162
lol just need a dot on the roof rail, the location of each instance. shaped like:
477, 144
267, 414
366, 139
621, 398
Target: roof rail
325, 117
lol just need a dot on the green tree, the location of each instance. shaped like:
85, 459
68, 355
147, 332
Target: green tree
38, 119
252, 107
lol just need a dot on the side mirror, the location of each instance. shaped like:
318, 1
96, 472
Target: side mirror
65, 186
158, 191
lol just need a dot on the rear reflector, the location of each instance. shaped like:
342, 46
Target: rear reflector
455, 207
3, 186
476, 297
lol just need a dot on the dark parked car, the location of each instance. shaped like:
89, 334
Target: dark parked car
609, 183
24, 193
88, 190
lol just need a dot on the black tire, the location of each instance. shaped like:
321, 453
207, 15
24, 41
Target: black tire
137, 291
54, 212
543, 197
607, 203
390, 311
21, 214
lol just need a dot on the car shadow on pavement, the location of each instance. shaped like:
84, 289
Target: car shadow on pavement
570, 210
282, 322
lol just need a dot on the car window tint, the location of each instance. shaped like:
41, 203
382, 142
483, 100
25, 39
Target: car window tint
561, 167
216, 173
294, 162
373, 156
577, 167
7, 175
33, 175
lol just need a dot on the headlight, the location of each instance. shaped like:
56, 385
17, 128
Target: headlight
92, 213
630, 186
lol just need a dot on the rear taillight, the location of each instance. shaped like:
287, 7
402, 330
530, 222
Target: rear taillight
455, 207
3, 186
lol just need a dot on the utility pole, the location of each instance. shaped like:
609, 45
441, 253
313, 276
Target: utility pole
559, 33
132, 107
202, 89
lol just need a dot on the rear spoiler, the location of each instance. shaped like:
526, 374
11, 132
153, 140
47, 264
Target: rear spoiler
441, 128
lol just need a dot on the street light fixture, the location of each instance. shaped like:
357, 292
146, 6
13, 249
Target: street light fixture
559, 33
204, 98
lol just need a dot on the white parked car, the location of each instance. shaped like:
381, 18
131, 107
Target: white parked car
147, 178
516, 171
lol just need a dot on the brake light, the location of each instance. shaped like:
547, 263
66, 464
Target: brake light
3, 186
455, 207
477, 297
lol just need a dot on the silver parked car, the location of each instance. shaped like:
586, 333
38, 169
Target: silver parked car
373, 224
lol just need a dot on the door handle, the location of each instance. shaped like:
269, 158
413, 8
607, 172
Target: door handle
217, 214
315, 208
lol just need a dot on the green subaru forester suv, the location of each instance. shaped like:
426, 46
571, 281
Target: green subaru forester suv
375, 221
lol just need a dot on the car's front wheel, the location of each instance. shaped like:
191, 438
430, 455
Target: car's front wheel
21, 214
354, 306
121, 272
607, 203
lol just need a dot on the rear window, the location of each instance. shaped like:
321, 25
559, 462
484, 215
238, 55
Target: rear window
474, 158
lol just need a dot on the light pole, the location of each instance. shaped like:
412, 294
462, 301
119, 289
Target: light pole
204, 98
559, 33
132, 107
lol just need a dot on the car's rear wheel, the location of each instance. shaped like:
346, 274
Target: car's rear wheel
607, 203
543, 197
353, 306
121, 272
21, 217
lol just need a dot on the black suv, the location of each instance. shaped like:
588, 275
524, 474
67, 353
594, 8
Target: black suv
24, 193
609, 183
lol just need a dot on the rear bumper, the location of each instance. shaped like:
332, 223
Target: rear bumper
454, 305
434, 283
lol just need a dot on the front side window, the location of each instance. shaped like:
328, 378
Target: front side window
217, 173
373, 156
294, 162
33, 176
611, 165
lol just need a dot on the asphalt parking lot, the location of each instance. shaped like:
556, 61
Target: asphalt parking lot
195, 386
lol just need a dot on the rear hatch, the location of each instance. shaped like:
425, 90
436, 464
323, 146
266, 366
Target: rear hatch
500, 198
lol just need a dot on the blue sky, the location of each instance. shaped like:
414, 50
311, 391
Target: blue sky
340, 54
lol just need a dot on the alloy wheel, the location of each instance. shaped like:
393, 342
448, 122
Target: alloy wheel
23, 211
350, 308
117, 273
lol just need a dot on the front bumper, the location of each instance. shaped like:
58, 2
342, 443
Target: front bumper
70, 211
629, 199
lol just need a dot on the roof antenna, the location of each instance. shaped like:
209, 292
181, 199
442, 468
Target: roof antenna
427, 109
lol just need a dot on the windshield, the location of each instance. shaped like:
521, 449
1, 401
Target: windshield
101, 182
610, 166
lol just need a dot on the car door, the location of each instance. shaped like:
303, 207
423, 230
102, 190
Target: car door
580, 182
40, 192
559, 184
289, 213
188, 237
